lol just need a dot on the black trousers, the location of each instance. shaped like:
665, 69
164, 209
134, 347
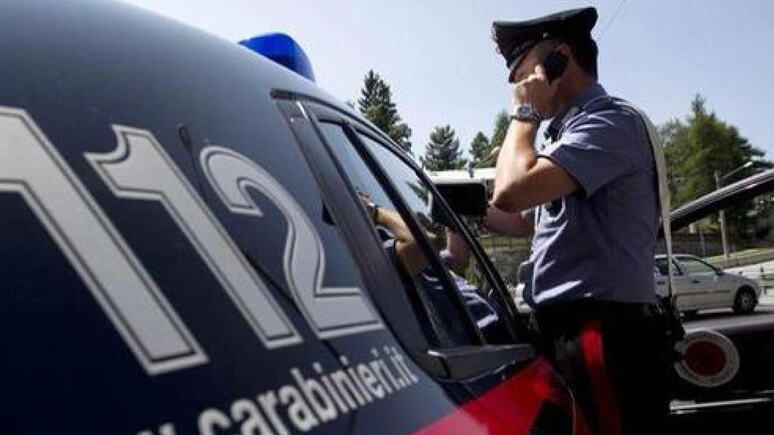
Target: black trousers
615, 359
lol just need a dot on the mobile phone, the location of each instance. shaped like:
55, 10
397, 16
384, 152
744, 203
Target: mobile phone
555, 64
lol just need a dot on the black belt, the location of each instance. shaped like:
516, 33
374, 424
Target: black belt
587, 310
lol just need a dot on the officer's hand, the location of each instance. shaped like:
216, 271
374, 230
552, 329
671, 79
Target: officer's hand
537, 92
508, 224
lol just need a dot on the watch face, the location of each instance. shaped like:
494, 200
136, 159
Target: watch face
525, 112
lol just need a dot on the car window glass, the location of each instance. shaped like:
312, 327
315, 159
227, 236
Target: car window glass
663, 270
661, 267
696, 267
444, 322
475, 287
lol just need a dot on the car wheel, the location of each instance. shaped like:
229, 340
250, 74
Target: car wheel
745, 301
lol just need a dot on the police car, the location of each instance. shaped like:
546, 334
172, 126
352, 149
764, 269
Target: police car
184, 249
724, 382
728, 361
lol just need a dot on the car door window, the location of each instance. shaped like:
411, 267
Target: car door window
697, 267
662, 268
476, 287
449, 301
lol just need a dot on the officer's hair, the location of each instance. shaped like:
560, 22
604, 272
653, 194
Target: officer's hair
584, 50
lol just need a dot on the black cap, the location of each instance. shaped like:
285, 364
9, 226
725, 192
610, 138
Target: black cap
515, 38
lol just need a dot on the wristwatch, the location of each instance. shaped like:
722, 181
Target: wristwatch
373, 210
526, 113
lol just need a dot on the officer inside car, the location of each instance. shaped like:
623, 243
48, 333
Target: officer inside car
412, 264
587, 191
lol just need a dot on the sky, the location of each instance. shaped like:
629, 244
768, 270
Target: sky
440, 61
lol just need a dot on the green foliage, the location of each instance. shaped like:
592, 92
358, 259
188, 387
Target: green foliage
479, 149
502, 120
443, 151
375, 103
702, 152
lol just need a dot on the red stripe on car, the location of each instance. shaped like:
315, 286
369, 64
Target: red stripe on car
510, 408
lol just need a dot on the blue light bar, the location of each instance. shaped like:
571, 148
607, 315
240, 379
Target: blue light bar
282, 49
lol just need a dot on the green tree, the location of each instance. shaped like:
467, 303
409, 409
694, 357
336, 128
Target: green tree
702, 146
375, 103
502, 120
479, 149
443, 151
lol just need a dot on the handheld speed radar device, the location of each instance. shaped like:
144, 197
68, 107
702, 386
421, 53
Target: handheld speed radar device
467, 199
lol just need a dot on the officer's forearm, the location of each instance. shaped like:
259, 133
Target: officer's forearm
410, 257
517, 157
518, 224
393, 221
458, 249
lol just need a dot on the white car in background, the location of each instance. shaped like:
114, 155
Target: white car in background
699, 285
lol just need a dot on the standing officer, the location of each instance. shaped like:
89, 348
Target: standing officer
591, 187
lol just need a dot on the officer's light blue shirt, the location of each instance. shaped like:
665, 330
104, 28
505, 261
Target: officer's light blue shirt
597, 243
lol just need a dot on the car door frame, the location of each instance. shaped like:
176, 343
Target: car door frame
303, 113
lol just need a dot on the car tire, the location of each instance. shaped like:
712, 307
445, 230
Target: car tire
745, 301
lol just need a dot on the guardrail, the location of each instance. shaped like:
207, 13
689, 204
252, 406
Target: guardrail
763, 274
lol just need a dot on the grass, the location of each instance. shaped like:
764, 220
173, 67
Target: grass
743, 258
747, 253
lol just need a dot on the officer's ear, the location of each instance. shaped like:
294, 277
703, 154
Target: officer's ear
563, 48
